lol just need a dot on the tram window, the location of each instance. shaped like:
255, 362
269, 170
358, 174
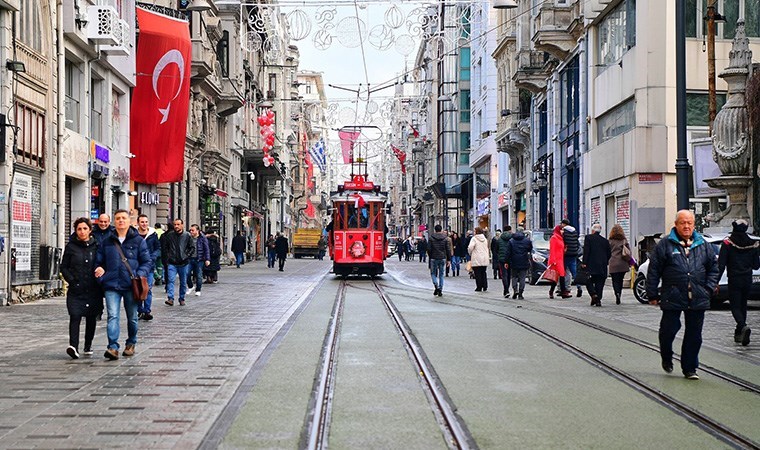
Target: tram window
364, 217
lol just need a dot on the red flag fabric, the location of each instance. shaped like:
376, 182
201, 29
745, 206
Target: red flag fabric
401, 155
359, 201
347, 141
310, 211
160, 99
415, 133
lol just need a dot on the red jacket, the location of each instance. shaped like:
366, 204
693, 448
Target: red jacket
557, 251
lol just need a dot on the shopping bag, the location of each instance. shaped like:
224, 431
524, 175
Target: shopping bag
468, 266
550, 274
581, 276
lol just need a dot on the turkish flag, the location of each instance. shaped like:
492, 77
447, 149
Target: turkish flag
347, 141
401, 155
160, 99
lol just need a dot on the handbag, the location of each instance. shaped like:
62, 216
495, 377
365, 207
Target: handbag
581, 276
468, 266
550, 274
625, 253
139, 284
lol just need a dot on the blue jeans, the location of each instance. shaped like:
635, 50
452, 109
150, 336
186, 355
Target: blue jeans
437, 268
172, 272
196, 270
238, 259
113, 301
571, 269
455, 262
271, 257
144, 307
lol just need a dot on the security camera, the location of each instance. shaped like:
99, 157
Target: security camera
252, 176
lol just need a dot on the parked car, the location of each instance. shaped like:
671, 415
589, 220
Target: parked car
639, 286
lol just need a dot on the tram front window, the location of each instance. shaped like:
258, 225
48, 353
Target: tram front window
358, 220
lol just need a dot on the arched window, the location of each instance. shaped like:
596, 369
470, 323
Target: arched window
29, 26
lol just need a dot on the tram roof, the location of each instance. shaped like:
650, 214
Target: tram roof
349, 196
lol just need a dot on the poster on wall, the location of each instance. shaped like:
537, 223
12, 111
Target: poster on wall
623, 214
21, 231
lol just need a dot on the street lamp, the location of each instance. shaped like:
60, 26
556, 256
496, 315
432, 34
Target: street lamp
198, 5
504, 4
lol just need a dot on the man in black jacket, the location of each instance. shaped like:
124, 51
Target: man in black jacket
686, 264
177, 248
572, 252
440, 251
502, 260
238, 248
103, 228
596, 256
281, 247
517, 259
739, 254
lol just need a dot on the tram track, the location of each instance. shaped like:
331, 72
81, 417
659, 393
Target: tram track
316, 432
711, 426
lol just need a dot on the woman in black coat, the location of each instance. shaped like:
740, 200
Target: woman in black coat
211, 272
84, 297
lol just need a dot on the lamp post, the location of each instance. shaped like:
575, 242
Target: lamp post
682, 161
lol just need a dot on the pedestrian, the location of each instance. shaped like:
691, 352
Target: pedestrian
322, 247
154, 248
557, 262
495, 252
281, 248
200, 261
739, 255
685, 265
422, 246
466, 244
238, 248
441, 252
271, 252
400, 247
177, 249
124, 253
480, 258
409, 248
596, 257
518, 254
459, 254
501, 256
158, 270
103, 229
84, 297
211, 272
572, 251
620, 259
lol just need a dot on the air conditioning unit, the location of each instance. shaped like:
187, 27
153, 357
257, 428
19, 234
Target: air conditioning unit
122, 33
103, 25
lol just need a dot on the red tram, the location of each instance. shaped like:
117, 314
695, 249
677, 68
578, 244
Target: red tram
357, 234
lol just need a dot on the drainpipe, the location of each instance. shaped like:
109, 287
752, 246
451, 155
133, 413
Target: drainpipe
583, 69
60, 210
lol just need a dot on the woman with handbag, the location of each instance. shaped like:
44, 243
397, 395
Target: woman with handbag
620, 261
460, 251
84, 298
122, 256
480, 258
556, 262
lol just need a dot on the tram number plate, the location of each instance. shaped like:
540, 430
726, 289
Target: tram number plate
756, 278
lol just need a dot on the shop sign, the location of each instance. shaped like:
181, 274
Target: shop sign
650, 178
101, 153
149, 198
21, 231
503, 199
484, 206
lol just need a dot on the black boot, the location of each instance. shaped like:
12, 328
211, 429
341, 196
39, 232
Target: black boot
551, 292
594, 299
617, 299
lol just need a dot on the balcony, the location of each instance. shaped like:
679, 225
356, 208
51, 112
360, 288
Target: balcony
558, 29
203, 60
533, 68
515, 140
229, 101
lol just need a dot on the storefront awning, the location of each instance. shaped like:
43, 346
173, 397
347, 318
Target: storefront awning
221, 193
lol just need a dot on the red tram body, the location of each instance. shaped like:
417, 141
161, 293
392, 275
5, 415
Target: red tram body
357, 235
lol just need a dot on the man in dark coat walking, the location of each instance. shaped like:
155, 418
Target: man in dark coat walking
517, 256
440, 251
686, 265
500, 255
739, 254
103, 228
572, 251
116, 280
154, 248
422, 246
281, 248
238, 248
596, 256
177, 249
201, 260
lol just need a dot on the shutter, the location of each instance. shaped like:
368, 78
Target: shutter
68, 204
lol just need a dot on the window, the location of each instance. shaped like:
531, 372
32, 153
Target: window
30, 143
466, 23
464, 148
30, 26
73, 95
464, 106
96, 110
403, 183
570, 107
543, 124
697, 114
617, 121
617, 33
223, 53
464, 64
272, 85
308, 88
696, 10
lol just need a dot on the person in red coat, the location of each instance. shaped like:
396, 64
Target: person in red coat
557, 262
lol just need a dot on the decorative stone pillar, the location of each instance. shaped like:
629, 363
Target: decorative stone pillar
731, 138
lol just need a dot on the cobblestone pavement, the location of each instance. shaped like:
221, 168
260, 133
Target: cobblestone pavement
717, 333
189, 362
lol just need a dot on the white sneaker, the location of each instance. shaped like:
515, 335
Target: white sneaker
197, 293
72, 351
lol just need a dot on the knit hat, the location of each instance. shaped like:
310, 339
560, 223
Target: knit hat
740, 226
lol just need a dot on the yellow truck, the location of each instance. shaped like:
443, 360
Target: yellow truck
306, 242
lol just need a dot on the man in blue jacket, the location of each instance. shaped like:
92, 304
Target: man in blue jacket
202, 258
114, 277
686, 264
154, 248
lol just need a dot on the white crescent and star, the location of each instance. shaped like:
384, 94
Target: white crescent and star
170, 57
